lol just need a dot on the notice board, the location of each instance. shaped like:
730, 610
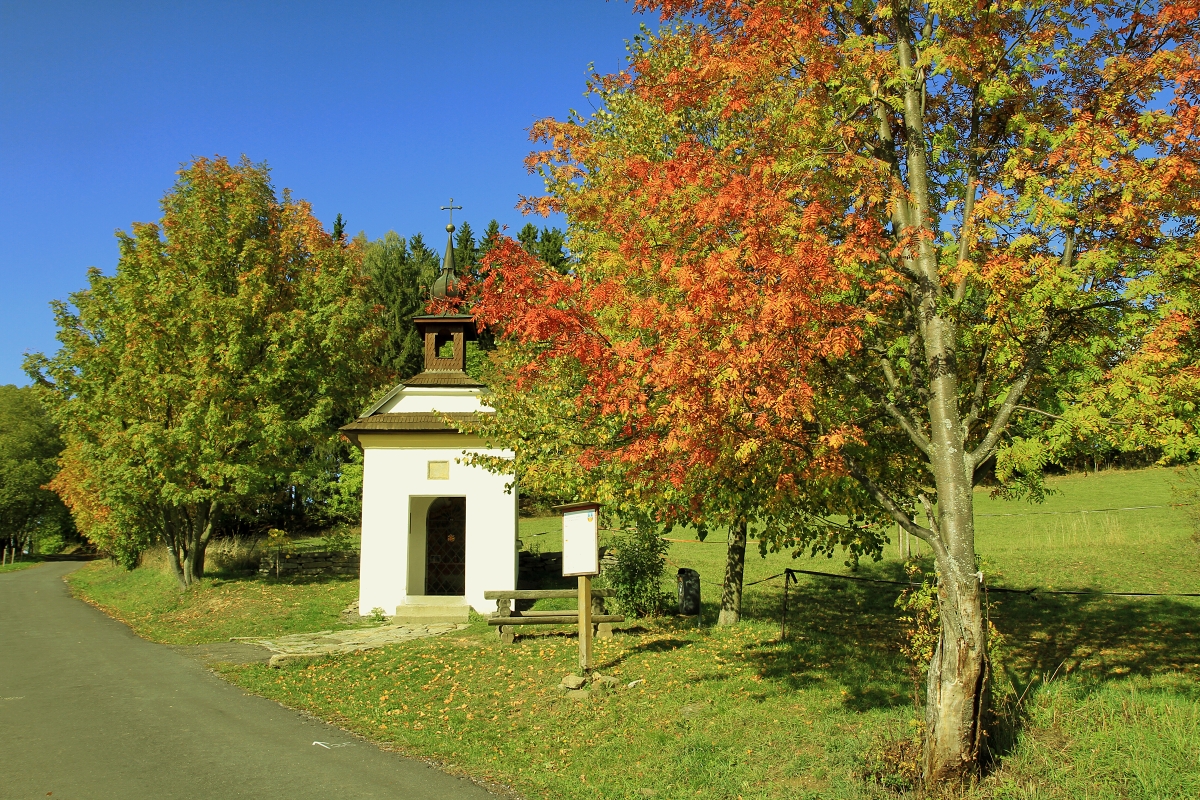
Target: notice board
581, 539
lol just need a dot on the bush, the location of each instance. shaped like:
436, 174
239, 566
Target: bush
637, 574
279, 541
341, 537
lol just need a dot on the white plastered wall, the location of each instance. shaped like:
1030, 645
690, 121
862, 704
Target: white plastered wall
396, 495
448, 400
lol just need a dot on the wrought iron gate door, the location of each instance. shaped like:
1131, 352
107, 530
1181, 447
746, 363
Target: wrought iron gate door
446, 547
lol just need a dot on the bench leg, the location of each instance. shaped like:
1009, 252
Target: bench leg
506, 633
604, 630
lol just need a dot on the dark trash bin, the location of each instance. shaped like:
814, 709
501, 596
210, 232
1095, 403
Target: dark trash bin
688, 590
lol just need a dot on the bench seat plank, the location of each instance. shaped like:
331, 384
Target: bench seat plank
544, 594
561, 620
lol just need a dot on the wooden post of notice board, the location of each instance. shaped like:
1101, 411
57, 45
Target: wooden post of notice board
585, 623
581, 559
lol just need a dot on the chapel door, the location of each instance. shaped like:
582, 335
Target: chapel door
446, 547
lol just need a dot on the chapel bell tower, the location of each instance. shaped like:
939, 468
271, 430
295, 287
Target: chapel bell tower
446, 335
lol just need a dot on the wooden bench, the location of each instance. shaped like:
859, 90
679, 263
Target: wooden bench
506, 619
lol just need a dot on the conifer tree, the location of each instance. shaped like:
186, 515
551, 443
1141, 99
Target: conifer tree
466, 252
400, 276
548, 245
490, 236
528, 237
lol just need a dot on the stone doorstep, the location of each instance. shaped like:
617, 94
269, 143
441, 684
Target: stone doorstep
453, 600
430, 616
429, 609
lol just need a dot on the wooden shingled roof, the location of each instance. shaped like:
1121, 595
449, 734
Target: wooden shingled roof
443, 378
410, 421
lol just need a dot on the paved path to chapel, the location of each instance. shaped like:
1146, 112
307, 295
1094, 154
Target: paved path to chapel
89, 711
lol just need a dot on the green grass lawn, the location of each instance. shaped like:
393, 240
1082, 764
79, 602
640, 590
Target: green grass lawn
1112, 701
150, 602
16, 565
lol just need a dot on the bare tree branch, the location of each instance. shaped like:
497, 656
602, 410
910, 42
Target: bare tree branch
929, 515
964, 233
893, 508
909, 426
1039, 411
976, 408
1000, 421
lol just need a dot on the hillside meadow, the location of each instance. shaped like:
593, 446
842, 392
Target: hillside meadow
1097, 695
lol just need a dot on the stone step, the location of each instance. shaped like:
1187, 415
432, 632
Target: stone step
430, 609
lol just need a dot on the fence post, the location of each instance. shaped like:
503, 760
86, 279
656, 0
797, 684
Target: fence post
787, 578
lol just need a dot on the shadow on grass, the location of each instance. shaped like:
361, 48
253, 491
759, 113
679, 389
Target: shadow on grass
837, 632
848, 633
1099, 637
653, 646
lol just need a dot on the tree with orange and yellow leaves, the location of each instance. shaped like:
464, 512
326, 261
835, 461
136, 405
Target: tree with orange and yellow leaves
833, 252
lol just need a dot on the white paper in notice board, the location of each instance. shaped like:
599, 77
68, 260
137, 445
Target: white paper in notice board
581, 542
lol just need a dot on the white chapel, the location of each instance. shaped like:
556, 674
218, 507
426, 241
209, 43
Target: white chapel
436, 533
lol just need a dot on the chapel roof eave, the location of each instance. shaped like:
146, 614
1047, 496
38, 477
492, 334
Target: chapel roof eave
467, 322
414, 421
410, 422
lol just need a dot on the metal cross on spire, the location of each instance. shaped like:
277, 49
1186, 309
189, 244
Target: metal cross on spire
446, 285
451, 208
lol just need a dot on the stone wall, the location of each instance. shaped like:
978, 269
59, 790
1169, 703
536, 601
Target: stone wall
308, 565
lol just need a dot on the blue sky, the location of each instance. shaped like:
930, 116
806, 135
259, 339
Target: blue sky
379, 111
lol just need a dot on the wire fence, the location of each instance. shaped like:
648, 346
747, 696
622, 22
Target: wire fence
790, 577
1085, 511
998, 514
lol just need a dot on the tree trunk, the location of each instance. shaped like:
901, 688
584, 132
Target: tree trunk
958, 673
171, 540
957, 686
735, 566
199, 533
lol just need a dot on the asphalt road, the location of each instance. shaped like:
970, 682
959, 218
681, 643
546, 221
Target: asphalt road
88, 711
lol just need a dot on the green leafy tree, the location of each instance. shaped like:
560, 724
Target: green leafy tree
201, 377
30, 514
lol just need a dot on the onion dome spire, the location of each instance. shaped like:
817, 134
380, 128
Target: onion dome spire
446, 285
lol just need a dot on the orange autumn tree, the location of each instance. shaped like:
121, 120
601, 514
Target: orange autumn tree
627, 391
838, 250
